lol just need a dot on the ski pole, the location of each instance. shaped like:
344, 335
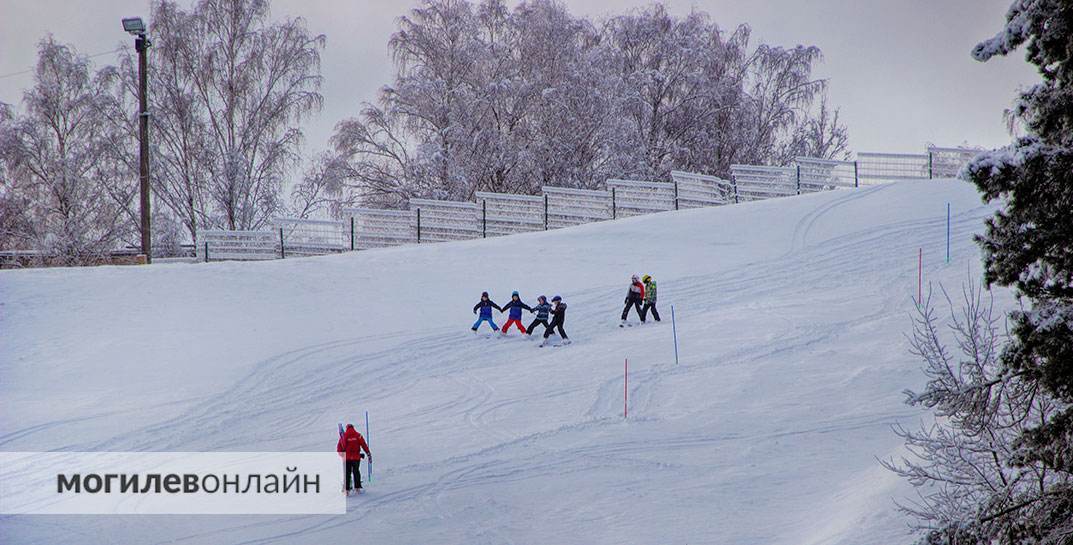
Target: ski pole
368, 441
674, 331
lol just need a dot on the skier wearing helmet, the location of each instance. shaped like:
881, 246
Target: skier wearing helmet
635, 296
558, 318
650, 298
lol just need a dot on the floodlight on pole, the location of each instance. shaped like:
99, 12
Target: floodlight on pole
136, 27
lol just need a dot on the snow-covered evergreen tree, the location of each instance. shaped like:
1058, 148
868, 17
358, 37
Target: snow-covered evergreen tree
998, 465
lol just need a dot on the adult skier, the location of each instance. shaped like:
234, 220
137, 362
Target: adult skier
349, 447
635, 296
558, 318
650, 298
542, 310
515, 308
485, 305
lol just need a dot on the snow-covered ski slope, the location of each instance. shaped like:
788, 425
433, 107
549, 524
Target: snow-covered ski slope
791, 320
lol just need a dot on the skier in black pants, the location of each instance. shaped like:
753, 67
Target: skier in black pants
542, 311
650, 298
558, 317
635, 296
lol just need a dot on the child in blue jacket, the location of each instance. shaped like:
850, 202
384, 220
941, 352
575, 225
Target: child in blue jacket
515, 306
485, 305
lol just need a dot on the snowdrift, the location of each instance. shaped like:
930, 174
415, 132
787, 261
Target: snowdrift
791, 316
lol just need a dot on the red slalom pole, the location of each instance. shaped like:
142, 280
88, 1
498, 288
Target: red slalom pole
625, 387
920, 275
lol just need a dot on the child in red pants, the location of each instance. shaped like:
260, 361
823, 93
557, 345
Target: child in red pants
515, 307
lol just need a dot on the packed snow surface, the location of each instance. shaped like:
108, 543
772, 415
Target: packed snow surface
791, 315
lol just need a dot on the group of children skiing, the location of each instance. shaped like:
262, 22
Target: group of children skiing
641, 295
556, 310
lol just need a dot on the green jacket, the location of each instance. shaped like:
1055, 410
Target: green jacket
650, 291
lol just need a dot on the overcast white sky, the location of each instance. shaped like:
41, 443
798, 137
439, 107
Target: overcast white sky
899, 70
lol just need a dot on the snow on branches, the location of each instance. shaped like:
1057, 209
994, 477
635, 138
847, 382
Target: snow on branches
488, 98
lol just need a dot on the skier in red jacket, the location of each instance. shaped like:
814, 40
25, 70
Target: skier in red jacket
349, 447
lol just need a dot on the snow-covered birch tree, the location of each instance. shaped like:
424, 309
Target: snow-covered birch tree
230, 90
70, 192
488, 97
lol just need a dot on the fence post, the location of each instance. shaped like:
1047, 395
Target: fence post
614, 205
419, 226
545, 211
856, 179
798, 179
282, 251
929, 165
676, 194
206, 251
736, 192
484, 218
352, 233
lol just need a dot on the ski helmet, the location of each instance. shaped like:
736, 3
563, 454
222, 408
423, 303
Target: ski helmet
514, 293
646, 278
556, 299
484, 294
634, 278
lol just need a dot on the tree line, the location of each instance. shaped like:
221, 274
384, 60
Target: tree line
485, 97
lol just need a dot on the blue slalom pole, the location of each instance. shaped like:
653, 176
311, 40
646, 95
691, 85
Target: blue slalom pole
368, 439
674, 330
948, 232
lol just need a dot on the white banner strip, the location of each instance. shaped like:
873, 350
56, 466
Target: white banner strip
171, 483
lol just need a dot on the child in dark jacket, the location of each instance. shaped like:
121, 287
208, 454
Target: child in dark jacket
485, 305
542, 311
515, 307
558, 318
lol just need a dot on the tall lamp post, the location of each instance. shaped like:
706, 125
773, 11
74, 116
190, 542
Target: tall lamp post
136, 27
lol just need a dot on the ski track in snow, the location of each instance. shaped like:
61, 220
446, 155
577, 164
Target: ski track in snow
478, 491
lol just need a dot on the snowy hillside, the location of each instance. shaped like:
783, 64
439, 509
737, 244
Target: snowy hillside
791, 315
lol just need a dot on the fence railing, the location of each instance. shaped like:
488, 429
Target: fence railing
507, 214
947, 162
376, 228
567, 207
877, 168
237, 245
498, 214
306, 237
442, 221
634, 198
821, 174
701, 190
756, 183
